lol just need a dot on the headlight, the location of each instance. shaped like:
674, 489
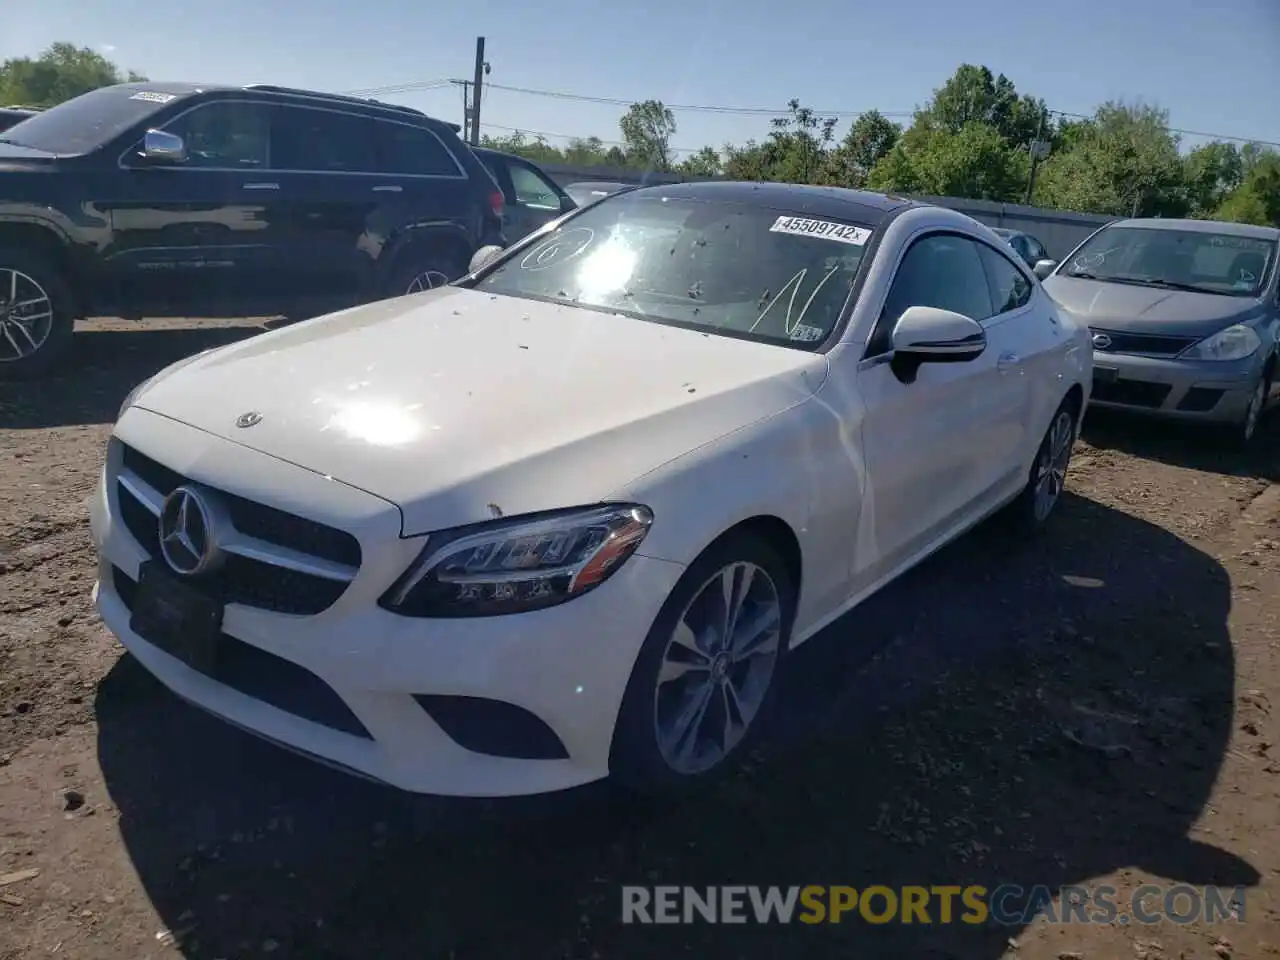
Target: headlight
518, 564
1234, 343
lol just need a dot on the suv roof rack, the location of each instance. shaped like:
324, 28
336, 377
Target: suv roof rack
334, 97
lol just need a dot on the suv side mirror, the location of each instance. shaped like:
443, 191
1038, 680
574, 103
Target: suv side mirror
1043, 268
482, 257
161, 147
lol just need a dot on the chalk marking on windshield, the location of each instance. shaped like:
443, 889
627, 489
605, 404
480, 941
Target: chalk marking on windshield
548, 253
795, 283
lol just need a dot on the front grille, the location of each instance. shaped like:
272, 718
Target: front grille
1154, 346
249, 581
1132, 393
264, 676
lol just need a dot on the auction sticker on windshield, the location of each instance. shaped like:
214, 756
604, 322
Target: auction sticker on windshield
824, 229
152, 97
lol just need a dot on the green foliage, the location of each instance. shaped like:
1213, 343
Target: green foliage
59, 73
971, 139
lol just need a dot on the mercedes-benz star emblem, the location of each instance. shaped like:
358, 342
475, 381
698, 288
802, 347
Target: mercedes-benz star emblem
1101, 341
250, 419
187, 539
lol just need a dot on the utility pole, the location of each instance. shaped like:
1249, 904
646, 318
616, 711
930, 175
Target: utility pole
481, 69
1039, 149
466, 109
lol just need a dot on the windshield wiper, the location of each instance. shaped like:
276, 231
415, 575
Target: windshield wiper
1171, 284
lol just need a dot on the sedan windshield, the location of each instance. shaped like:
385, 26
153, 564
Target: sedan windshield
1221, 263
725, 268
87, 122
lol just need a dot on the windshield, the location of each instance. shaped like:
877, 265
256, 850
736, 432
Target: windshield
725, 268
1220, 263
87, 122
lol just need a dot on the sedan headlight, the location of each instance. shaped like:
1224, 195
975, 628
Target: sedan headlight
518, 564
1234, 343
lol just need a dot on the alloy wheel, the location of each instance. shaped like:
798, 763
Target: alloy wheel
26, 315
1254, 412
1051, 466
427, 280
717, 668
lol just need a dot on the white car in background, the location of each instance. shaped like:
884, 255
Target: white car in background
567, 517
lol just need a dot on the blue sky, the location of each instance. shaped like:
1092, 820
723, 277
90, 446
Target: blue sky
1213, 65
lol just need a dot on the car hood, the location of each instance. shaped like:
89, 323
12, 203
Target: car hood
1132, 308
458, 405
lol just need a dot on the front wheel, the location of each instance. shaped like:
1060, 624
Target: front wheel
417, 274
706, 676
1048, 478
1247, 427
36, 315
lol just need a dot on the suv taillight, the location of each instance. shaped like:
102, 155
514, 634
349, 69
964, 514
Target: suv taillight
496, 203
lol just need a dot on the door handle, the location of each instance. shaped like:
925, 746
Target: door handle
1008, 361
388, 188
262, 186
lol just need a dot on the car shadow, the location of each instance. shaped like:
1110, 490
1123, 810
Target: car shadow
1197, 447
1032, 713
101, 367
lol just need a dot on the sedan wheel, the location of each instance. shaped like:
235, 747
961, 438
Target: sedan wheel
1051, 464
706, 675
717, 668
428, 279
1253, 413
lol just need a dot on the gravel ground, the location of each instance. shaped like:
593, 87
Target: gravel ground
1094, 708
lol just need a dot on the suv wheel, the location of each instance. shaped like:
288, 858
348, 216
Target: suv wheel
426, 271
36, 315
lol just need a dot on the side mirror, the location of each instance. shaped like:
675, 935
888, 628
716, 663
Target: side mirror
567, 204
161, 147
1043, 268
932, 335
483, 257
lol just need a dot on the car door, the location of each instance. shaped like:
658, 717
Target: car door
934, 447
325, 171
201, 237
537, 199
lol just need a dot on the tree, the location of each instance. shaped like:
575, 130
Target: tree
974, 95
1124, 163
647, 128
797, 150
705, 163
1257, 198
868, 141
975, 162
61, 72
1211, 172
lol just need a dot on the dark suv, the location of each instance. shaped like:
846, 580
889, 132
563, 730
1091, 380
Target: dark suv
176, 200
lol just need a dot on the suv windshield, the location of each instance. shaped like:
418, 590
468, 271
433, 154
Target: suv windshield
725, 268
1221, 263
87, 122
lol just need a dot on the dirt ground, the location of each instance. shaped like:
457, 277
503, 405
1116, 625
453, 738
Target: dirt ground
1098, 707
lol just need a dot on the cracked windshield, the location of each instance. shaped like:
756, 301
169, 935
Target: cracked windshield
629, 481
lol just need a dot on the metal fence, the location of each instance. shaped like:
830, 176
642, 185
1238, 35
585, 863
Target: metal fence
1058, 230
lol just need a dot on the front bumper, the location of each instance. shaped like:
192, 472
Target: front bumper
1169, 387
377, 673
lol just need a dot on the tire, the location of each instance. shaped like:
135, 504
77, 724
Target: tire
49, 329
1030, 511
1245, 430
647, 757
415, 269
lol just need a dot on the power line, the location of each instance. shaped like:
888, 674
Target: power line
548, 135
744, 111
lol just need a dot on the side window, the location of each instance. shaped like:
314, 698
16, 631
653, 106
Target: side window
225, 135
323, 141
498, 170
1010, 288
1038, 252
414, 150
941, 270
532, 189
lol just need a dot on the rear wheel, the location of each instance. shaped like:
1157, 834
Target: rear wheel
1048, 476
416, 273
706, 677
36, 315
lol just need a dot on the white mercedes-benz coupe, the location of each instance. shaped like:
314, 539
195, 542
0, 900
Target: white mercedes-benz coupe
567, 517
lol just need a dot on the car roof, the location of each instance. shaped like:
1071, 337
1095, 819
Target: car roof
858, 205
1201, 226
